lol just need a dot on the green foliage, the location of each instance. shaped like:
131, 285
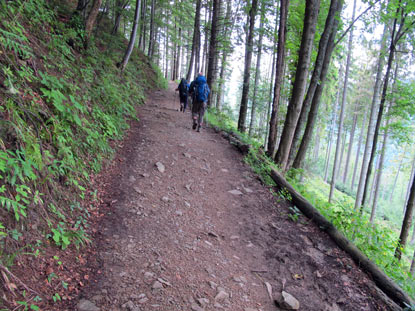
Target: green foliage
59, 114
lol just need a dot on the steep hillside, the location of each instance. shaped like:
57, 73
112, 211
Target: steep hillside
63, 106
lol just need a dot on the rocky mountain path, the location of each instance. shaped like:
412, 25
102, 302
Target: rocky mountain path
188, 226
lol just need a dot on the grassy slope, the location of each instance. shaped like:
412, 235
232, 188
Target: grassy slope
61, 108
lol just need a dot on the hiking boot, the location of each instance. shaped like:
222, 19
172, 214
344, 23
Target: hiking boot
194, 126
198, 128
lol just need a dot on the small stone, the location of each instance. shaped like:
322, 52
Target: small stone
148, 275
187, 203
213, 285
287, 301
248, 190
203, 302
165, 199
160, 167
145, 175
86, 305
222, 295
157, 285
250, 309
188, 187
235, 192
234, 237
195, 307
142, 300
131, 178
179, 213
213, 234
136, 189
187, 155
224, 170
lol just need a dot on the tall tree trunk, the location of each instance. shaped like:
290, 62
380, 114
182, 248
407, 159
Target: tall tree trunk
331, 135
359, 144
395, 182
119, 8
247, 69
257, 72
380, 171
208, 21
271, 80
344, 138
130, 47
194, 56
337, 153
211, 71
349, 151
409, 183
330, 27
375, 101
294, 106
152, 40
317, 145
279, 74
407, 222
92, 16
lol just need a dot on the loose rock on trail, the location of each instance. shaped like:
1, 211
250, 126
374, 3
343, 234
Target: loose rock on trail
188, 226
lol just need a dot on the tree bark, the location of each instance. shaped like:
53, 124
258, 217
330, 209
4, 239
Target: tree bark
350, 148
337, 153
92, 16
331, 27
375, 101
330, 139
359, 144
194, 56
294, 106
132, 38
407, 222
279, 74
257, 72
379, 174
212, 55
151, 42
247, 69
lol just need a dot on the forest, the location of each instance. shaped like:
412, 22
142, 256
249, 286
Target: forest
322, 89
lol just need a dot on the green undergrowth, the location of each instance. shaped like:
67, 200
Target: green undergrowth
377, 241
61, 108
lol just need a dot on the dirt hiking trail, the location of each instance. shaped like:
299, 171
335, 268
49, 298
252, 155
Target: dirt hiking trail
188, 226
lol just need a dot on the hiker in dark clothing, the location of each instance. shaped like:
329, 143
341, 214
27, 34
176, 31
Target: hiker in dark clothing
183, 89
200, 91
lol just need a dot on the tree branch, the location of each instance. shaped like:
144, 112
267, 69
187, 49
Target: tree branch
353, 22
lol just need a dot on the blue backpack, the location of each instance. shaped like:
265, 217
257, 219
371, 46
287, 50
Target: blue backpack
202, 90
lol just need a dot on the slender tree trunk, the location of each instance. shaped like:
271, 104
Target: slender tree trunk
92, 16
412, 269
349, 151
331, 135
194, 56
407, 222
338, 147
344, 138
380, 171
409, 183
395, 182
330, 29
271, 83
294, 106
211, 71
130, 47
279, 74
151, 42
257, 72
359, 144
375, 101
317, 145
247, 70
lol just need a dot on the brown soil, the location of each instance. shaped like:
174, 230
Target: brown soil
173, 240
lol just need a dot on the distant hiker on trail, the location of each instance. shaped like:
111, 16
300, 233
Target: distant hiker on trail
183, 89
200, 91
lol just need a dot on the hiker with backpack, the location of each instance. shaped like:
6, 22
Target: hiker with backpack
200, 91
183, 89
